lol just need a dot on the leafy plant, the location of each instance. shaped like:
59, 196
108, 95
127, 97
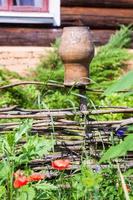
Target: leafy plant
110, 57
124, 83
110, 186
118, 150
85, 183
53, 60
14, 155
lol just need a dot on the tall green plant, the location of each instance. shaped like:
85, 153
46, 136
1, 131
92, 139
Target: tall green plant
14, 155
118, 150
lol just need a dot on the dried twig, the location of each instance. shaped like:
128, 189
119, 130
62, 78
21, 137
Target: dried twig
29, 83
67, 125
125, 122
8, 108
123, 183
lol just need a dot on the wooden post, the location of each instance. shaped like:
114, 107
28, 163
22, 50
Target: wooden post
77, 51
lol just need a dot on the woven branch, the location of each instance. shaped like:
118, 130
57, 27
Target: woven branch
71, 136
71, 125
49, 113
30, 83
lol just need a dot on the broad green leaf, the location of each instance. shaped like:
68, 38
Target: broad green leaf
35, 147
26, 193
118, 150
129, 172
38, 146
23, 129
10, 140
7, 145
130, 128
4, 170
125, 83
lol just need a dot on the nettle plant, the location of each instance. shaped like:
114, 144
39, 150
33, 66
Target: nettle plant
124, 131
17, 149
125, 85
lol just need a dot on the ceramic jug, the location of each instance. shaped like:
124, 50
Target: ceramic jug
76, 51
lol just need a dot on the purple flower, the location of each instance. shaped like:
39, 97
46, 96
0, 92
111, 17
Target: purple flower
121, 132
97, 168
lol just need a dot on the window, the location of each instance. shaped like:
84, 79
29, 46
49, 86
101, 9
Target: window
24, 5
30, 11
29, 5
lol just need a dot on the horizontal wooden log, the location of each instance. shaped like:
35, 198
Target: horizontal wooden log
17, 36
95, 17
99, 3
101, 37
13, 36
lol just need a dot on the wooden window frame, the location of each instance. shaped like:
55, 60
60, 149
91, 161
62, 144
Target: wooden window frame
51, 16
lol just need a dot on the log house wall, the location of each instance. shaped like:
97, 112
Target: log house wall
102, 16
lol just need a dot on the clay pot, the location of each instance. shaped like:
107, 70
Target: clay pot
76, 51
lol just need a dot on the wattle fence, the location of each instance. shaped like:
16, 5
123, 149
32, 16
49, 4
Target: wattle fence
74, 138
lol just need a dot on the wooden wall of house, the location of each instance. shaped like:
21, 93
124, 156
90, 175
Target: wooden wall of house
102, 16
